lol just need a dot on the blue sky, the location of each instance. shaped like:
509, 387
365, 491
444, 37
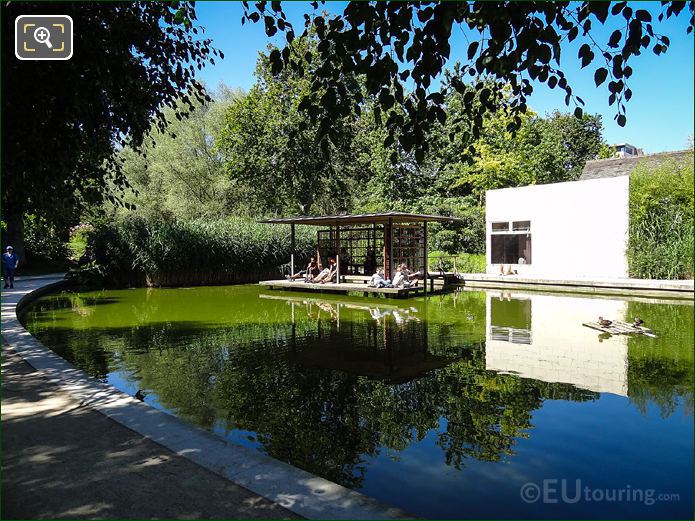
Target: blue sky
659, 115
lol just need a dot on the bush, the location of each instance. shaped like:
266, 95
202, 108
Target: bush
661, 221
42, 243
462, 262
136, 251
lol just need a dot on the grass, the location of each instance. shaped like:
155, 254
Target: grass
137, 251
661, 221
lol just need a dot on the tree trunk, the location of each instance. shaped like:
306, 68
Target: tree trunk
15, 235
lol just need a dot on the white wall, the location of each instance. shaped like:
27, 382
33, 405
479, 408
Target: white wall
561, 349
578, 228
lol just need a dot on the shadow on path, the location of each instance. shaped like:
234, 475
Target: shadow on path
61, 459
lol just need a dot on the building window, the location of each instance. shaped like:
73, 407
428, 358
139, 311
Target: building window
521, 226
511, 247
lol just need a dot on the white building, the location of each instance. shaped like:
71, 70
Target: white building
574, 229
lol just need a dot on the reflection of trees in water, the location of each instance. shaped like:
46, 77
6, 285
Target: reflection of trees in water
339, 385
660, 370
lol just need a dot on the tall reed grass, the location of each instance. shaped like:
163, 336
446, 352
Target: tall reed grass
136, 251
661, 244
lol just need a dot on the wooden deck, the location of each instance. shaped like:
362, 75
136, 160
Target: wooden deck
346, 287
621, 328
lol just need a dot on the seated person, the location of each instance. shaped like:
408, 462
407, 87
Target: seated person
370, 262
400, 280
409, 275
378, 280
345, 261
328, 273
312, 269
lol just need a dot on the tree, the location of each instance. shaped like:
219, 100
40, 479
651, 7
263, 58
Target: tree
294, 175
64, 121
511, 44
179, 172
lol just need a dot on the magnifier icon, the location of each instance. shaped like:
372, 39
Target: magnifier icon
42, 35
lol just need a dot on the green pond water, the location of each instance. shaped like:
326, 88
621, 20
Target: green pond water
463, 405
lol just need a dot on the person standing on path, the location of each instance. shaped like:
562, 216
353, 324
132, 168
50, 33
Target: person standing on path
10, 261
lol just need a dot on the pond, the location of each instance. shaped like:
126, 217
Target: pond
472, 404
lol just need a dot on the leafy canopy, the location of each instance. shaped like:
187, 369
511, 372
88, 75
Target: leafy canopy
511, 43
69, 118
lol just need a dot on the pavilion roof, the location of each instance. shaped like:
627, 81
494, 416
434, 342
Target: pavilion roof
362, 218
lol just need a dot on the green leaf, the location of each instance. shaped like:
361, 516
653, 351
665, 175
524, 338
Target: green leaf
600, 75
472, 49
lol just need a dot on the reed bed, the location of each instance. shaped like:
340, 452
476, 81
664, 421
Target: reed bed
137, 251
661, 221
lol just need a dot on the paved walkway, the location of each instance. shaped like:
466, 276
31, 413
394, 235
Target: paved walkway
61, 459
75, 447
675, 289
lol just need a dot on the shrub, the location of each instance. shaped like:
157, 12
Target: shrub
136, 251
661, 245
42, 242
465, 235
462, 262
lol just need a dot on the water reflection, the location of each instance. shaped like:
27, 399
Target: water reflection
350, 387
382, 342
542, 337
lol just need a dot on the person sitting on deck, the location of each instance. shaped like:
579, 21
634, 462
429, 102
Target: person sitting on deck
312, 269
328, 272
410, 275
400, 279
345, 261
370, 262
378, 280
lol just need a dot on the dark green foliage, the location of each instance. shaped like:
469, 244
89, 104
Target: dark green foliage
130, 61
661, 220
511, 43
272, 147
198, 252
44, 244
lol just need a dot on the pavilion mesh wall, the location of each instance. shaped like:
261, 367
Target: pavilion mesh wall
356, 241
409, 246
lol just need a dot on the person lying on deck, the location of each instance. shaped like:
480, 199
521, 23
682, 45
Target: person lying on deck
328, 273
312, 269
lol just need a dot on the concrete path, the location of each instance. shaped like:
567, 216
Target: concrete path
673, 289
62, 459
76, 447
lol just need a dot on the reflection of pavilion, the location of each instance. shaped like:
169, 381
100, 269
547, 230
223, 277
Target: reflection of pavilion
382, 342
542, 337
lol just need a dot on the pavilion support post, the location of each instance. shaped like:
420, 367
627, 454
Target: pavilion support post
389, 234
292, 249
374, 237
337, 254
425, 250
